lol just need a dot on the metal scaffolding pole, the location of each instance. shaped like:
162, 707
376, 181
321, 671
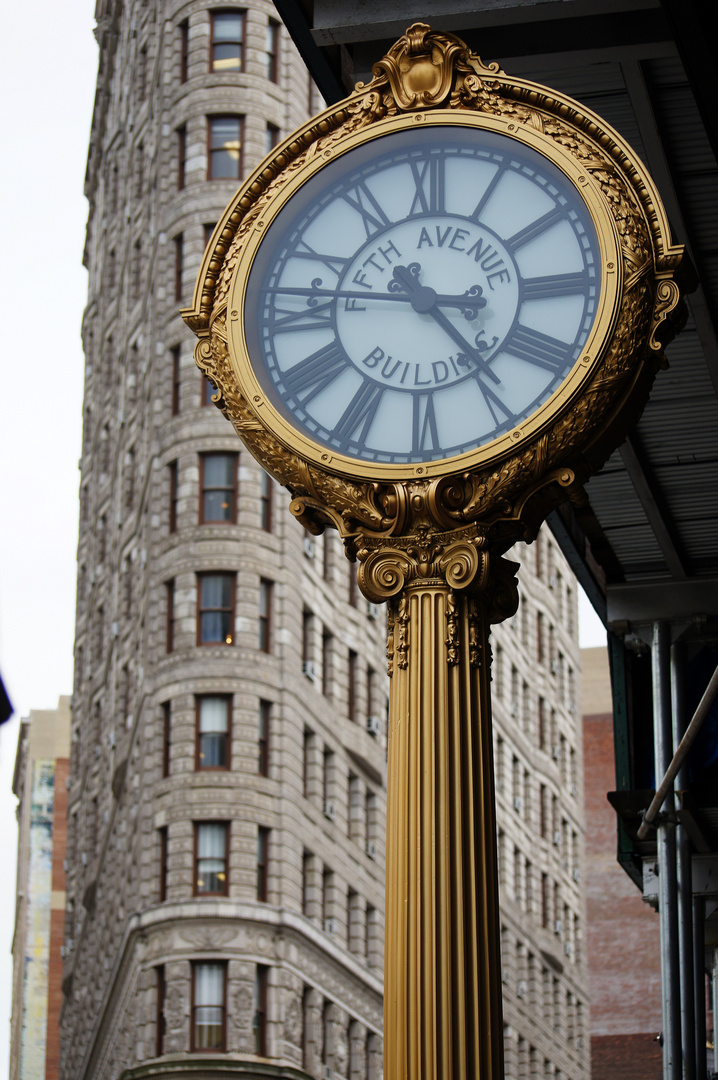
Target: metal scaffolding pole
685, 879
699, 983
666, 856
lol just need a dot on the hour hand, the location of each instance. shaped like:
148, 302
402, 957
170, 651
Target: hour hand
424, 299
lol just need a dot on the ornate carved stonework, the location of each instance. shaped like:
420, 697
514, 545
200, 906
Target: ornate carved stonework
292, 1018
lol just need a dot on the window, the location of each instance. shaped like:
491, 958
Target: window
166, 736
160, 1022
307, 867
184, 49
173, 496
265, 615
265, 709
327, 649
266, 501
262, 863
213, 729
273, 51
307, 642
163, 864
225, 147
207, 391
259, 1020
352, 686
210, 859
215, 615
307, 749
208, 231
271, 138
129, 480
226, 41
179, 264
370, 935
209, 986
140, 170
218, 485
353, 586
176, 380
170, 610
136, 270
181, 156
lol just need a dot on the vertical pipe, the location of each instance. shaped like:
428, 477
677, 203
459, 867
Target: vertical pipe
699, 981
666, 857
685, 880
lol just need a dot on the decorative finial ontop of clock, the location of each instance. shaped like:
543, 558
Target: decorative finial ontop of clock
423, 67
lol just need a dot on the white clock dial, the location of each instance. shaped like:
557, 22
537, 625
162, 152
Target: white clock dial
423, 294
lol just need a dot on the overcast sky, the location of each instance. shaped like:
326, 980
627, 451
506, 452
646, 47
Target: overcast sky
47, 79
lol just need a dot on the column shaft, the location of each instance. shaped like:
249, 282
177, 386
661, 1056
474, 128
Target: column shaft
442, 1011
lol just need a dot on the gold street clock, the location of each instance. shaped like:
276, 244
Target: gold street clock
451, 278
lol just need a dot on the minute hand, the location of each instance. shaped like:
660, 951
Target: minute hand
466, 303
405, 278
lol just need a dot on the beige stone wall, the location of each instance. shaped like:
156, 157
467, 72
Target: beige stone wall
538, 759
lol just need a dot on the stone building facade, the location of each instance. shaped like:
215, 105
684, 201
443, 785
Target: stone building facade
226, 800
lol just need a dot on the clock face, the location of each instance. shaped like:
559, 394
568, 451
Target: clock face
422, 295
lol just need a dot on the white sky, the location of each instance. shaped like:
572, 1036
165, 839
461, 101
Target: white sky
47, 82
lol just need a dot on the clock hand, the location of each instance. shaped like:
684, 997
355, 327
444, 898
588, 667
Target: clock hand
424, 300
468, 303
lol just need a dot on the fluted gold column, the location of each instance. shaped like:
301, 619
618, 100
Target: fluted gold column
442, 975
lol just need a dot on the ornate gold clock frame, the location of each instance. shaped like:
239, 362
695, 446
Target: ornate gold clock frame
429, 537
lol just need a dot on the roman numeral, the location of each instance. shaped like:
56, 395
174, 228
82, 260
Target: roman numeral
429, 182
498, 409
318, 317
335, 263
495, 180
359, 414
312, 375
538, 349
361, 199
530, 232
425, 435
544, 288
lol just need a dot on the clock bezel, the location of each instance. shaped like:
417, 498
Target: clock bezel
297, 441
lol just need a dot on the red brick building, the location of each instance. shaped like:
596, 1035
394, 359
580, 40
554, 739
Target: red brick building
622, 931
